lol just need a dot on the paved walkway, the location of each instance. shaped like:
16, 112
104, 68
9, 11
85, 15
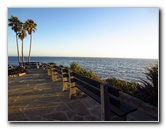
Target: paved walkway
34, 97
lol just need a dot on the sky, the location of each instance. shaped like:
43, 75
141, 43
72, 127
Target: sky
6, 33
89, 32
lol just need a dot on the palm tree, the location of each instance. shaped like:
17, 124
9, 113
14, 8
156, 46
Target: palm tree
30, 26
22, 35
15, 24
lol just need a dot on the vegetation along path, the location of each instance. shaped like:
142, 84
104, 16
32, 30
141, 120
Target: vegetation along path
35, 97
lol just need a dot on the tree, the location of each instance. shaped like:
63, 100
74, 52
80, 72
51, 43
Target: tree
30, 26
16, 25
149, 92
22, 35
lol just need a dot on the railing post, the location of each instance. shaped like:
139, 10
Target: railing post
105, 103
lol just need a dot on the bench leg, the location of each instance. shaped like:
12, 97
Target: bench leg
54, 76
106, 113
65, 86
73, 90
37, 65
49, 72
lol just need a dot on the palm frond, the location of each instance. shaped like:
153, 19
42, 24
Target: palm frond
30, 26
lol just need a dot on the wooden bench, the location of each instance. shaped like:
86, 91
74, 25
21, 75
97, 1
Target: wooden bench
31, 64
104, 94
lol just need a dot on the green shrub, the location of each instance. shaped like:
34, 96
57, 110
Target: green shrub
52, 63
76, 68
61, 66
127, 87
16, 70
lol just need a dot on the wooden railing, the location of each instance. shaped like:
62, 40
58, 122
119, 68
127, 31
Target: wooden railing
104, 94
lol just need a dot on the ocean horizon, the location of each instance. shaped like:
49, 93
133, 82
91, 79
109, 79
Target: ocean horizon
129, 69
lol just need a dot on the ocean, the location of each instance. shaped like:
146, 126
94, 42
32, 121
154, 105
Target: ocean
126, 69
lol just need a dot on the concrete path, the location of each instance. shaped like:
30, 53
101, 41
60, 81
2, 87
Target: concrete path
34, 97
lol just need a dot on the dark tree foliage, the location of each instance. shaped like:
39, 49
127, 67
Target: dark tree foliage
149, 93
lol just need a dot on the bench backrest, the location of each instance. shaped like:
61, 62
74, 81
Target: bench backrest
31, 64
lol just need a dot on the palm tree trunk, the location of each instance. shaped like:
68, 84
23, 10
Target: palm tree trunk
22, 53
18, 55
30, 47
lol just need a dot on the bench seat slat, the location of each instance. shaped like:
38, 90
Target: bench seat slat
89, 87
116, 110
86, 79
92, 95
122, 111
83, 82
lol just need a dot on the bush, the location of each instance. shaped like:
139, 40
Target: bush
52, 63
16, 70
127, 87
61, 66
76, 68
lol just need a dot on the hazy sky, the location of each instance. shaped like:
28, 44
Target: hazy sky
90, 32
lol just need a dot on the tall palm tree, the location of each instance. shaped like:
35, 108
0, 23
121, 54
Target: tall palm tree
30, 26
22, 35
16, 25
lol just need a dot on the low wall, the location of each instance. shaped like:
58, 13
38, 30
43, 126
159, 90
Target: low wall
144, 109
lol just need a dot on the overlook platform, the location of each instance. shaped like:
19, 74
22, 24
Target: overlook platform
35, 97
